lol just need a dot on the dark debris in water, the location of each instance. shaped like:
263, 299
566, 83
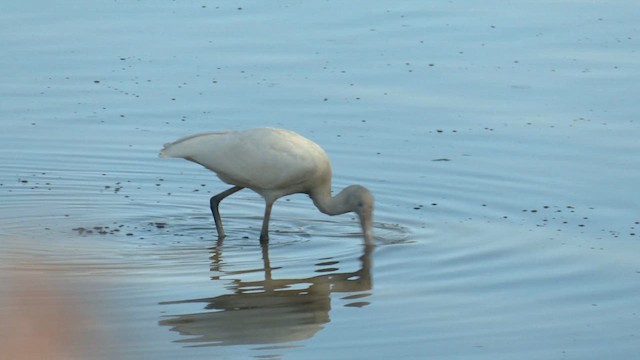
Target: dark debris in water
565, 216
562, 218
118, 229
420, 206
101, 230
159, 225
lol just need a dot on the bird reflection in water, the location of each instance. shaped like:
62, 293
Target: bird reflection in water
270, 311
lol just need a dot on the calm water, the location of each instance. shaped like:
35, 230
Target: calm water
500, 141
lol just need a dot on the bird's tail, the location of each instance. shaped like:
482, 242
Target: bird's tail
187, 146
180, 148
167, 151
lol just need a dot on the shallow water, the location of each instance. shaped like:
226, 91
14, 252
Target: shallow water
500, 142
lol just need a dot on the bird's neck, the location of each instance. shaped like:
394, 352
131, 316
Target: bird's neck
330, 205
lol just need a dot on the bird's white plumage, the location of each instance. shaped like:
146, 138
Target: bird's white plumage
260, 159
273, 163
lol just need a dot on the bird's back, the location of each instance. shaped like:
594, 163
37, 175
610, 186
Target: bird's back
260, 159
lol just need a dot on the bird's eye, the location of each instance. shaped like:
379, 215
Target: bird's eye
360, 204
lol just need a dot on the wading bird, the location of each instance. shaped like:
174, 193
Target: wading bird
274, 163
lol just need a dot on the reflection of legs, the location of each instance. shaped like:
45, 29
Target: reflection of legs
215, 201
264, 234
266, 263
216, 259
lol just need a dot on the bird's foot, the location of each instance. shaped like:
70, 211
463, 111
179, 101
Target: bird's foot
221, 236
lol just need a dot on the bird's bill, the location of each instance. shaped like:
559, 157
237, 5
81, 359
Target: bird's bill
367, 228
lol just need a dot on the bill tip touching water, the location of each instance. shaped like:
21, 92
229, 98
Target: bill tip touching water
273, 163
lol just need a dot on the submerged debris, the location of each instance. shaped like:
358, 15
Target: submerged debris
102, 230
115, 229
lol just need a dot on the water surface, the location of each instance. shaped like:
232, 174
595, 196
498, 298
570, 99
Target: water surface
500, 142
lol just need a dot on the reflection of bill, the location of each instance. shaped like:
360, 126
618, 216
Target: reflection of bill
270, 311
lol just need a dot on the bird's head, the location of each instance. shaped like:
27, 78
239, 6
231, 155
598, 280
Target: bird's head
361, 202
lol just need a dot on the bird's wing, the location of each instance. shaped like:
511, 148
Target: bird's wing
267, 159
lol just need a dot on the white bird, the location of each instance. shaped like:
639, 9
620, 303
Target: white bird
274, 163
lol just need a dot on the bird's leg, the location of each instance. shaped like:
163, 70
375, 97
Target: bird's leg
215, 201
264, 234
